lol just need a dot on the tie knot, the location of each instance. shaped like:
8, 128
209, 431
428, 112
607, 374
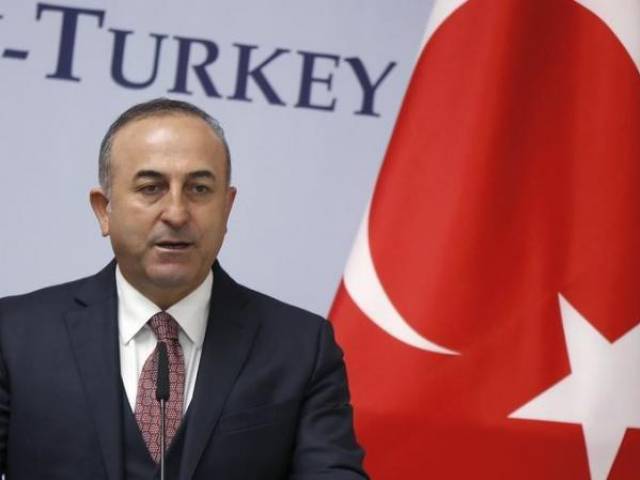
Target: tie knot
164, 326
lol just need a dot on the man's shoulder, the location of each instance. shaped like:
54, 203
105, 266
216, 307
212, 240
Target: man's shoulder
277, 313
43, 298
263, 301
288, 337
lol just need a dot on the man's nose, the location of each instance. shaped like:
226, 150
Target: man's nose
176, 210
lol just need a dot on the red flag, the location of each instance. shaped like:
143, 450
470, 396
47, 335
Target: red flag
490, 309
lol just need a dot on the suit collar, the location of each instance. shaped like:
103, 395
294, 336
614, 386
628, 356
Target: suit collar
99, 287
228, 340
93, 334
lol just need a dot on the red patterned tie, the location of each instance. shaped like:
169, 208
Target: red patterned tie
147, 407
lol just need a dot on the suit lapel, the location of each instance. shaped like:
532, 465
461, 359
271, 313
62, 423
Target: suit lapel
228, 339
93, 331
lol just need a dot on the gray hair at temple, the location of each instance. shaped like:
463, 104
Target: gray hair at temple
151, 108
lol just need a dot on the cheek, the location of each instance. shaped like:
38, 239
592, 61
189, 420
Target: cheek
213, 228
128, 229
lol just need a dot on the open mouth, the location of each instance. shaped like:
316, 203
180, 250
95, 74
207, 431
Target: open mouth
174, 245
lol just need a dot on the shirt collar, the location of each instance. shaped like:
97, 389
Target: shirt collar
191, 313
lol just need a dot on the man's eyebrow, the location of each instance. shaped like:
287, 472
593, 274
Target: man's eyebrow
154, 174
202, 174
148, 174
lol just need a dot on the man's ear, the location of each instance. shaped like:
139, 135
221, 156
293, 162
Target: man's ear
230, 198
100, 205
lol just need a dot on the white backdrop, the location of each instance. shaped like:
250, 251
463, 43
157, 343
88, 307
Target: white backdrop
304, 175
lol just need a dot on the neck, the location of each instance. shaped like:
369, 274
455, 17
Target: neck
164, 299
163, 296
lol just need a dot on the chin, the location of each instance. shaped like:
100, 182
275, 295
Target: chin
172, 277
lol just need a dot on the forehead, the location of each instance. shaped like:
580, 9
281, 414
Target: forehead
167, 140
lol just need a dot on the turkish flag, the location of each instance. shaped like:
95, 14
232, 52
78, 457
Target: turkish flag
490, 308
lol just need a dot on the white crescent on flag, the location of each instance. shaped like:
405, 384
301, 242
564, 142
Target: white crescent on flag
360, 277
363, 284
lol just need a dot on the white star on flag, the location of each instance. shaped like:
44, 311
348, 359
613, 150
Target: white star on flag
602, 393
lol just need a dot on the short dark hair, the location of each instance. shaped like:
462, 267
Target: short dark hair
156, 107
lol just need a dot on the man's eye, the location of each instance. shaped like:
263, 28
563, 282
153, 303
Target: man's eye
200, 189
149, 189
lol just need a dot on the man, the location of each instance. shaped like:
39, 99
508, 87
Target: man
258, 388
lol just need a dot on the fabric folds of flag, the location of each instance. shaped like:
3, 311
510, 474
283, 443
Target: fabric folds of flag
490, 309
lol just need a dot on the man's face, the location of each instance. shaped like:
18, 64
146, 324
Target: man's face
168, 206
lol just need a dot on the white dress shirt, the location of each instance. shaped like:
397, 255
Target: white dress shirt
137, 340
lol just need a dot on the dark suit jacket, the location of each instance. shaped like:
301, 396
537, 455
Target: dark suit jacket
270, 402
